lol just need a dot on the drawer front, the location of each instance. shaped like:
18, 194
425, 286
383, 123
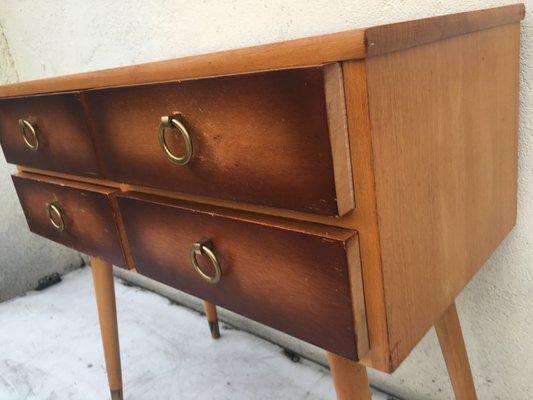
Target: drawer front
292, 277
277, 139
83, 216
60, 140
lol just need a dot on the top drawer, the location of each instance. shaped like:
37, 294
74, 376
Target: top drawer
276, 138
55, 134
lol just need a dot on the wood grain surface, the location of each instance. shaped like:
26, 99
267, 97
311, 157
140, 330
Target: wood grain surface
89, 220
403, 35
291, 276
340, 46
257, 138
65, 144
444, 123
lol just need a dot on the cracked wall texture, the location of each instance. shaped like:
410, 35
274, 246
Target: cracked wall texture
59, 37
24, 257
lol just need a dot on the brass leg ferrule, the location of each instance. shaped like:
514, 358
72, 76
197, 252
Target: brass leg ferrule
215, 331
117, 394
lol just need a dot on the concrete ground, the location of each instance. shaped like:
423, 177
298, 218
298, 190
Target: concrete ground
50, 349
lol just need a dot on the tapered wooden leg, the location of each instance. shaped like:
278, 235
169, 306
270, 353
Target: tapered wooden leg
105, 300
212, 319
454, 352
350, 378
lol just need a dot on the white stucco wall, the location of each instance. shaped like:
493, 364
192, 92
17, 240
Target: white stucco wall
49, 38
24, 257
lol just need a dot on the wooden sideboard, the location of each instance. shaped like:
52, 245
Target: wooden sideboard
342, 188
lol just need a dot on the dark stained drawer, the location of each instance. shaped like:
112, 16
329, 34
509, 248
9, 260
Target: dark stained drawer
302, 279
275, 138
56, 134
74, 214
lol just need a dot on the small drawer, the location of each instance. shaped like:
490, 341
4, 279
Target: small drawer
48, 132
299, 278
276, 138
77, 215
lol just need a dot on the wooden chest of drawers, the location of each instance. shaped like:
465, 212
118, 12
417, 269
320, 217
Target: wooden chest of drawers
343, 188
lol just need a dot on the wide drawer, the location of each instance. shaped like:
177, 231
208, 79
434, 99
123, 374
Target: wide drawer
302, 279
48, 132
275, 138
74, 214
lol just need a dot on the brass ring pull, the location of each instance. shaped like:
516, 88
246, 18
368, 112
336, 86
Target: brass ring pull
54, 215
169, 122
33, 142
204, 247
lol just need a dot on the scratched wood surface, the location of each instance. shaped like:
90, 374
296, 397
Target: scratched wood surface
256, 138
61, 128
291, 276
86, 210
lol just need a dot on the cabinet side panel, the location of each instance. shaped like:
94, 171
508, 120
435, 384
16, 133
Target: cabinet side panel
444, 123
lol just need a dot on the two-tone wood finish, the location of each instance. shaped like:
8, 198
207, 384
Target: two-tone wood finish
274, 138
427, 115
84, 211
370, 92
292, 276
64, 141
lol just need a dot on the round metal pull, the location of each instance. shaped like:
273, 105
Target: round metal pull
32, 141
204, 247
54, 215
169, 122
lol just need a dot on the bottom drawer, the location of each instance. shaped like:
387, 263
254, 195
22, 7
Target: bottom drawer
74, 214
302, 279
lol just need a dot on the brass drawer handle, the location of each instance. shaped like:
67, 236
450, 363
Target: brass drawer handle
33, 141
169, 122
204, 247
54, 215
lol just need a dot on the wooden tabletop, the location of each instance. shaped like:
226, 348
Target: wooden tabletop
340, 46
